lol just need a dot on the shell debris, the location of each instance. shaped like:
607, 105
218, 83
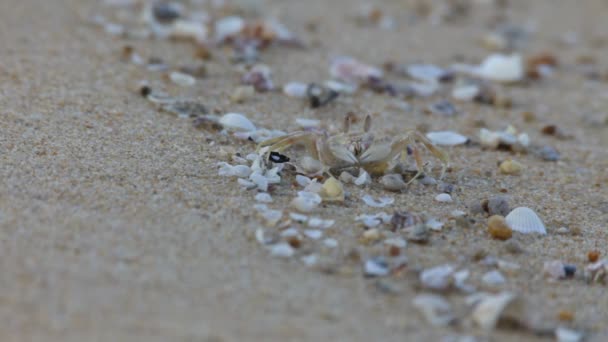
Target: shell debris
525, 220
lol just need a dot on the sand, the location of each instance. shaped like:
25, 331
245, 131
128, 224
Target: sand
114, 225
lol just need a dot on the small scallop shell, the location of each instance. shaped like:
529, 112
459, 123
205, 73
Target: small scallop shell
237, 122
446, 138
525, 220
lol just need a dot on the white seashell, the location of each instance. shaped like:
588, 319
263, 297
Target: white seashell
363, 179
435, 309
340, 87
240, 171
302, 180
263, 197
445, 198
502, 68
228, 26
493, 308
290, 232
314, 234
437, 278
465, 92
314, 187
376, 267
306, 202
182, 79
426, 72
370, 221
446, 138
247, 184
396, 241
434, 224
261, 237
382, 201
310, 260
295, 89
271, 217
493, 278
298, 217
308, 123
189, 29
567, 335
330, 243
554, 269
351, 71
525, 220
283, 250
424, 89
316, 222
236, 122
259, 180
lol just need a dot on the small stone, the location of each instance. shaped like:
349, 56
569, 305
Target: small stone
556, 270
283, 250
445, 198
565, 315
332, 190
443, 108
502, 68
593, 256
567, 335
498, 205
393, 182
435, 309
548, 153
242, 94
370, 236
263, 197
510, 167
306, 202
295, 89
437, 278
498, 228
563, 230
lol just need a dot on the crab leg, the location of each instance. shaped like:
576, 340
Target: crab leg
410, 139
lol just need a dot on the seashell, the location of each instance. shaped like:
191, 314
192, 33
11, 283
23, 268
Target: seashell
240, 171
259, 180
340, 87
263, 197
330, 243
427, 73
446, 138
381, 203
313, 234
445, 198
376, 267
434, 308
393, 182
308, 123
433, 224
363, 179
182, 79
332, 190
189, 29
236, 122
306, 202
465, 92
525, 220
314, 187
491, 309
352, 71
396, 241
568, 335
298, 217
437, 278
283, 250
296, 89
309, 260
316, 222
370, 221
493, 278
227, 27
502, 68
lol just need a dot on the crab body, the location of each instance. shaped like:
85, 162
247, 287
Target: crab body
356, 149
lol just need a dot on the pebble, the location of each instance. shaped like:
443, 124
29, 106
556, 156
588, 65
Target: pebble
443, 108
465, 92
502, 68
510, 167
393, 182
445, 198
330, 243
296, 89
306, 202
236, 122
332, 190
593, 256
568, 335
314, 234
437, 278
498, 205
380, 203
548, 153
446, 138
557, 270
498, 228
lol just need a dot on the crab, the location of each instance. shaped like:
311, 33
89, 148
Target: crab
357, 149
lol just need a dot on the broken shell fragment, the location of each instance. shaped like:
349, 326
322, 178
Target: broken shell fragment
437, 278
236, 122
502, 68
434, 308
306, 202
446, 138
510, 167
332, 190
445, 198
296, 89
182, 79
380, 203
491, 309
526, 221
352, 71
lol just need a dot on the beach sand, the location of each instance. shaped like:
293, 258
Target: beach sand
115, 226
